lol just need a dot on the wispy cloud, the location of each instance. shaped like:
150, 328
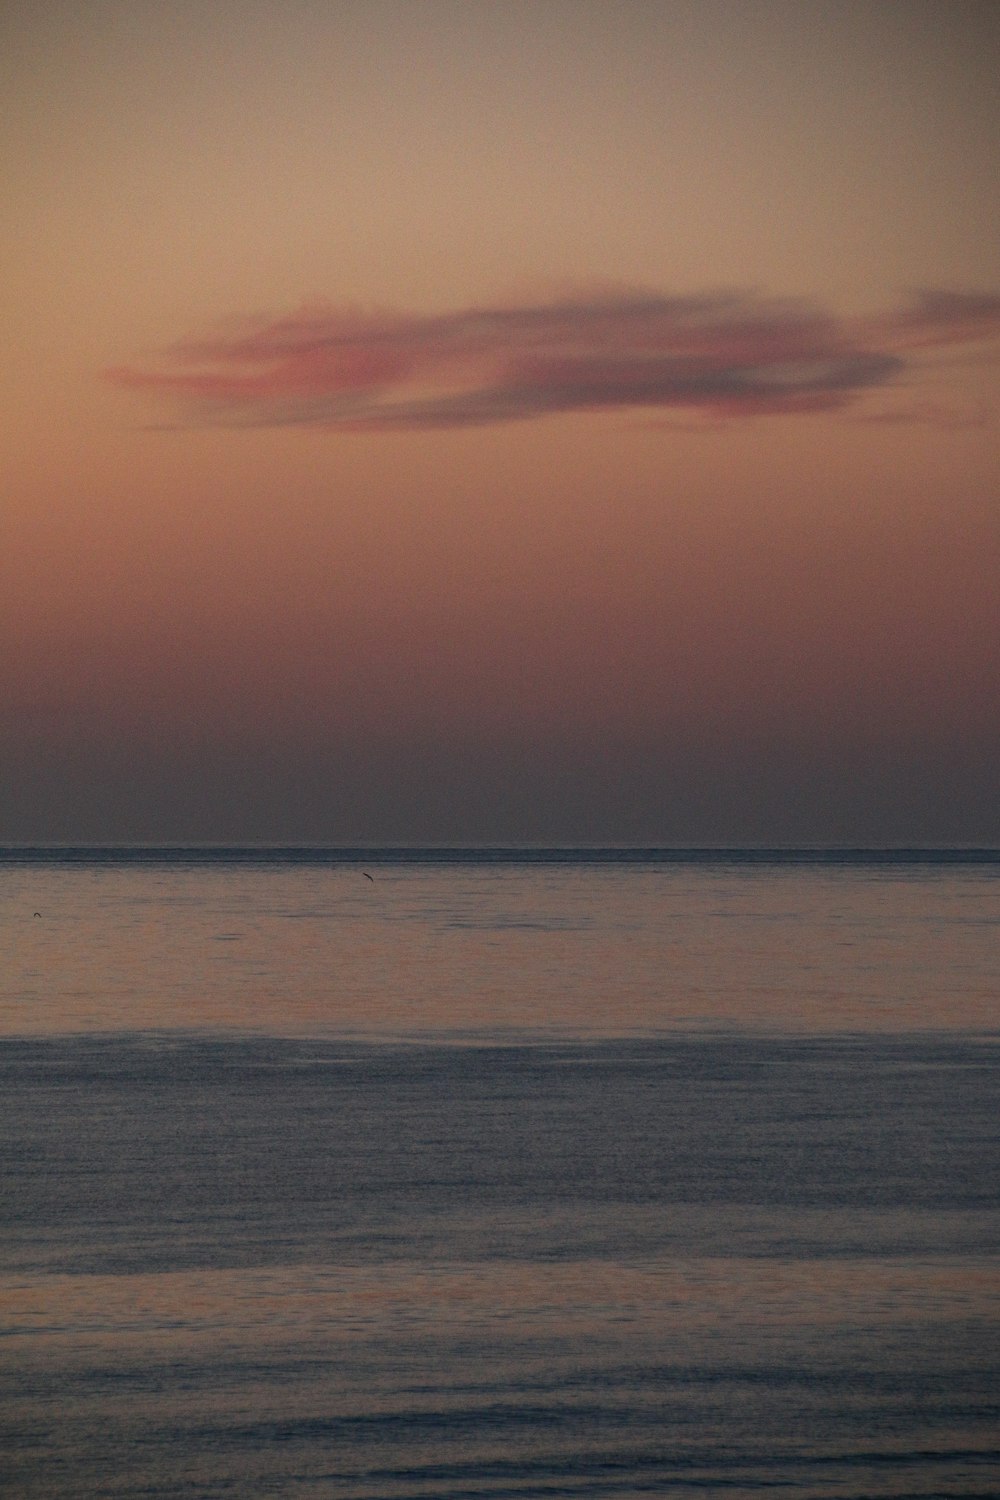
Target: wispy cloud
714, 356
927, 414
935, 316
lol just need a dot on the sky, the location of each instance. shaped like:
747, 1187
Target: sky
440, 422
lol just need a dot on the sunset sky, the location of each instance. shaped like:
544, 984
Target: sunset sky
552, 421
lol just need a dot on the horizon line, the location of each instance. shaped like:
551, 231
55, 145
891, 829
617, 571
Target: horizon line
499, 851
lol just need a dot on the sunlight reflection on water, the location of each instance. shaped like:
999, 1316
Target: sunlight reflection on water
429, 951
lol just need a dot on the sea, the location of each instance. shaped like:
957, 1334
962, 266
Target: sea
445, 1174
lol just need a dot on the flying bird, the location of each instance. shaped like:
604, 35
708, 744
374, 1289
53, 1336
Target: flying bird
368, 877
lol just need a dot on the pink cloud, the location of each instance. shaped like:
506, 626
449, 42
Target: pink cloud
938, 316
715, 355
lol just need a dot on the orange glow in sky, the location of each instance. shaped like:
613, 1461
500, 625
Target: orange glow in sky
501, 422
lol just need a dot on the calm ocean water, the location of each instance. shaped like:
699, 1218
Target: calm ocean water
499, 1174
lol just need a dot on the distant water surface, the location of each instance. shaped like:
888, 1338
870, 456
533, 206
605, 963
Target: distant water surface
454, 944
499, 1174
